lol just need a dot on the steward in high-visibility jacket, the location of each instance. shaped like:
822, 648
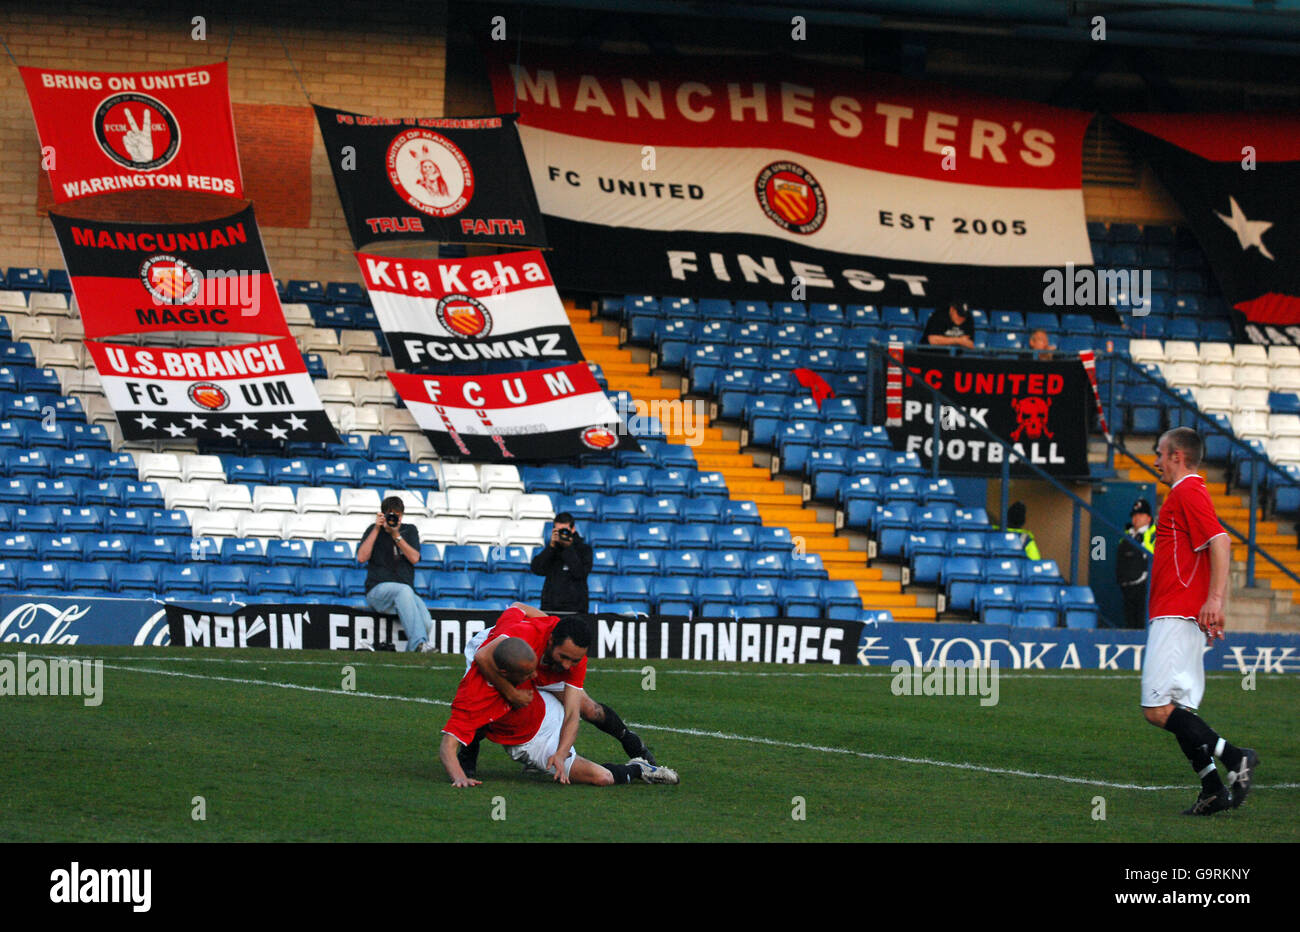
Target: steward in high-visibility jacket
1016, 522
1133, 563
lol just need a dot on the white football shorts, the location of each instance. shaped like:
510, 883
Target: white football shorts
1173, 668
547, 740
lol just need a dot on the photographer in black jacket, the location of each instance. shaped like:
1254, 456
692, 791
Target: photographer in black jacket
565, 562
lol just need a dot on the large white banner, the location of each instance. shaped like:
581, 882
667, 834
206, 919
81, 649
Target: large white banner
436, 312
736, 178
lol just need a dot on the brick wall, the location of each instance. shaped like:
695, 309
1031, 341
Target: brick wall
391, 61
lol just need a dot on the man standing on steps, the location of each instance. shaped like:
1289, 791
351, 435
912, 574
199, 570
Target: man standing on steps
1189, 581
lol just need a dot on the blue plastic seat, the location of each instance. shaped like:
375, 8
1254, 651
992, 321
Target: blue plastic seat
273, 581
172, 522
153, 548
503, 587
223, 578
61, 547
800, 598
139, 579
656, 536
672, 596
1038, 596
179, 582
839, 593
288, 553
639, 562
104, 548
715, 597
39, 519
81, 577
1035, 619
126, 521
720, 563
994, 594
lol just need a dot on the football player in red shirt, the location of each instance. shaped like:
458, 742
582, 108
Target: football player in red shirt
1189, 580
561, 647
533, 731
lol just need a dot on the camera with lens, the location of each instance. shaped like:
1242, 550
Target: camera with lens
392, 518
565, 534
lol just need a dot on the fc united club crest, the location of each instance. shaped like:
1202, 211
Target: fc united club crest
208, 396
430, 173
599, 438
791, 197
463, 316
136, 131
170, 280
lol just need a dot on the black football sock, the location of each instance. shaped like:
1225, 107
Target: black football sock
1196, 739
623, 773
611, 725
1230, 754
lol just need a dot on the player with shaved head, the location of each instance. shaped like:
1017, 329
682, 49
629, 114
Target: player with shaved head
532, 728
1189, 580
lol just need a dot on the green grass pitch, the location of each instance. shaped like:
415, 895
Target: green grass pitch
279, 751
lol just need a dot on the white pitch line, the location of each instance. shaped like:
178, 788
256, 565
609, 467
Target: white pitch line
1118, 675
693, 732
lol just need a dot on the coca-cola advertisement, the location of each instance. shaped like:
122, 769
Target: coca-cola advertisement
40, 619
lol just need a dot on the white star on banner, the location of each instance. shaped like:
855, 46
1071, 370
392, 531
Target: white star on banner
145, 421
297, 423
1249, 232
196, 422
226, 430
279, 433
175, 430
246, 422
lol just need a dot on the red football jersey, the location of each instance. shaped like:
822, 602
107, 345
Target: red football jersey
477, 703
537, 631
1180, 572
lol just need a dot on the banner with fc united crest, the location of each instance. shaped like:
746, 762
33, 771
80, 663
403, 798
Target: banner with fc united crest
458, 180
169, 131
441, 312
541, 414
254, 392
763, 179
148, 277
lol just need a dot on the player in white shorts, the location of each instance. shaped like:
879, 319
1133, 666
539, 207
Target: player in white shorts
1189, 580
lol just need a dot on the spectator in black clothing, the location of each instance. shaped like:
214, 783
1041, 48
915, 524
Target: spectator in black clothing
390, 550
565, 562
952, 326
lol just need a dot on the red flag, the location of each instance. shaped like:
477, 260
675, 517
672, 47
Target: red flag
820, 388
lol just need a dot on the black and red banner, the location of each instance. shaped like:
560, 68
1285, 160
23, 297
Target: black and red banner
541, 414
149, 277
254, 392
135, 131
441, 312
1239, 188
734, 179
1041, 408
460, 180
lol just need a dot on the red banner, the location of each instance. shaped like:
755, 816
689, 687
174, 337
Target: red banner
135, 131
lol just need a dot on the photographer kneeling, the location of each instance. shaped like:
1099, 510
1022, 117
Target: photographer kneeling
391, 549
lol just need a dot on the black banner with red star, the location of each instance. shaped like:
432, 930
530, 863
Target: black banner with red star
1239, 187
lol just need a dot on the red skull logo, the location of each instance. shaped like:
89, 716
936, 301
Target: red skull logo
1031, 417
